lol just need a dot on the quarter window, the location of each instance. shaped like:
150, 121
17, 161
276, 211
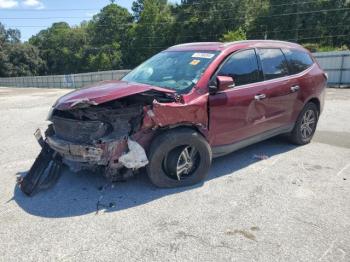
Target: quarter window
298, 60
273, 63
242, 66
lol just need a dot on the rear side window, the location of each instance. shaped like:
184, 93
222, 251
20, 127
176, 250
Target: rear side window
298, 60
273, 63
242, 66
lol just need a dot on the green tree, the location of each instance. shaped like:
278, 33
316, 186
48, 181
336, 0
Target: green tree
62, 47
207, 20
109, 30
137, 8
9, 35
110, 25
105, 58
324, 22
13, 35
22, 60
231, 36
115, 38
17, 59
151, 33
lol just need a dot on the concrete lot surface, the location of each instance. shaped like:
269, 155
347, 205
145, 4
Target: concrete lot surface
293, 206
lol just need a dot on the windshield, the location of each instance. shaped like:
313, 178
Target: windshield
176, 70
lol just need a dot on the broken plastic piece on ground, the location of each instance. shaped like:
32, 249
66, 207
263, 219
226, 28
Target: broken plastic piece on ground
261, 157
297, 181
43, 174
135, 158
99, 203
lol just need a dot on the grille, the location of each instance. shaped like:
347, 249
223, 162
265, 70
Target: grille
79, 131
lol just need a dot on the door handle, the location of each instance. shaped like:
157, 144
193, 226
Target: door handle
260, 97
295, 88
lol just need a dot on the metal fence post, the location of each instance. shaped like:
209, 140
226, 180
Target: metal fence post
341, 70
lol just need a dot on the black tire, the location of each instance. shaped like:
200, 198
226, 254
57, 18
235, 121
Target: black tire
166, 146
297, 136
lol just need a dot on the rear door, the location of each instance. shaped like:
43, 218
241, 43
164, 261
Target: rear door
299, 63
238, 113
281, 89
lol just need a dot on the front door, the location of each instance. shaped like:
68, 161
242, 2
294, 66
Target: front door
239, 112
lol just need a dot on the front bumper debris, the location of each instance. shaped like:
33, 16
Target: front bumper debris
45, 171
114, 157
75, 152
135, 158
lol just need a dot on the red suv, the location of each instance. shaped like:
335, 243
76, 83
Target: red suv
181, 108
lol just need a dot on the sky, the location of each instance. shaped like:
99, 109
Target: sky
31, 16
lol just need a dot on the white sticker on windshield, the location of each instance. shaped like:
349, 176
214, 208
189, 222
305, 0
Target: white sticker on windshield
203, 55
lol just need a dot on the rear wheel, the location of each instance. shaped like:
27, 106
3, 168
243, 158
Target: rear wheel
305, 126
179, 157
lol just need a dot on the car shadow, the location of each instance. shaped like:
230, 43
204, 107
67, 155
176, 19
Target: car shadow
86, 193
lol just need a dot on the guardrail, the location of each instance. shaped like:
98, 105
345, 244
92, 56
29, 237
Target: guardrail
62, 81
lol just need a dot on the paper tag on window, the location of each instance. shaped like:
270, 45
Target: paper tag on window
195, 62
203, 55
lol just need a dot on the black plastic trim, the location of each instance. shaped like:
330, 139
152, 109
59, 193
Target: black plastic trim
226, 149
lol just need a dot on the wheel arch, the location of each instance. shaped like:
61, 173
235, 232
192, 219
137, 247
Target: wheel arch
201, 130
189, 126
315, 101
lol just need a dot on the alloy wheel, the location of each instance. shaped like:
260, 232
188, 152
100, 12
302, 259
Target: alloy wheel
308, 124
181, 162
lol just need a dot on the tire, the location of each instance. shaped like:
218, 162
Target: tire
166, 157
298, 136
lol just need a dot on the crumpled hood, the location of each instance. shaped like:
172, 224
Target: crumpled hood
103, 92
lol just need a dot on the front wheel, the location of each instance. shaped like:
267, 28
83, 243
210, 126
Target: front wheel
305, 126
179, 157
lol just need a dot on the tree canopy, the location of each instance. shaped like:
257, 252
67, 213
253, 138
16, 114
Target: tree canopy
118, 39
17, 59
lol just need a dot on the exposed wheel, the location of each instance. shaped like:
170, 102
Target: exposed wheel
179, 157
305, 126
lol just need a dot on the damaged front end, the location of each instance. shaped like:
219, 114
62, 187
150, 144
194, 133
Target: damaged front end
45, 170
109, 137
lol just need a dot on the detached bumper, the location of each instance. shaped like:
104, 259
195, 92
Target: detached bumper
114, 157
75, 152
113, 154
44, 172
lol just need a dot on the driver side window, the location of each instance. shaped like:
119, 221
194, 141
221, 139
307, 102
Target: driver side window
243, 67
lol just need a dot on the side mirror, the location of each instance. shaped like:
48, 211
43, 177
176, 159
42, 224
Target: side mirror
225, 82
221, 83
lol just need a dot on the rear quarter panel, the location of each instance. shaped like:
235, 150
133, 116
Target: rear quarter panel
312, 84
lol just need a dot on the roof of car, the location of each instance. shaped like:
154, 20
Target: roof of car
219, 46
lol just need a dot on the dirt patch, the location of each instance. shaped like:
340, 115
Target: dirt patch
244, 233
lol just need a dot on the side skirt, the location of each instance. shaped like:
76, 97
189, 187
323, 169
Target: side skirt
226, 149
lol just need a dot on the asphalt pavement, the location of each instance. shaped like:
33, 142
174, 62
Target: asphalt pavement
292, 206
